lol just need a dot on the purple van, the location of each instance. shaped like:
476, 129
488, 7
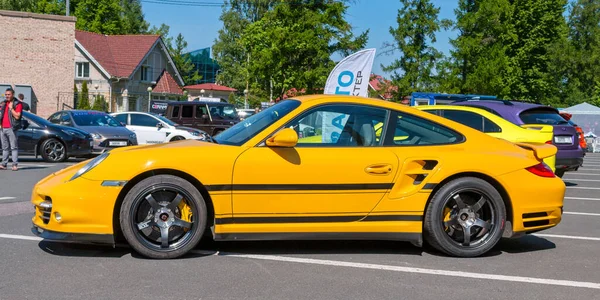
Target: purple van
569, 156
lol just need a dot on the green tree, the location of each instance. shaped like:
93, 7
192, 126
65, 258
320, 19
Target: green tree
291, 46
99, 103
75, 95
84, 97
417, 24
100, 16
133, 18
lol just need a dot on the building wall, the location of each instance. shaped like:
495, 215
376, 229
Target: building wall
36, 51
207, 93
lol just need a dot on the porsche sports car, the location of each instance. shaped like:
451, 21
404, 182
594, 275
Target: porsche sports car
496, 126
449, 185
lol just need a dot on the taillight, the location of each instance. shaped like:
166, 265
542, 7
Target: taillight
549, 142
542, 170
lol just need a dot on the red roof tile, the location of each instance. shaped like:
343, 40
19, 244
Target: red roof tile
119, 55
210, 87
167, 84
378, 82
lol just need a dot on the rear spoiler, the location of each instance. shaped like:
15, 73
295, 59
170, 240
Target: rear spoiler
540, 151
540, 127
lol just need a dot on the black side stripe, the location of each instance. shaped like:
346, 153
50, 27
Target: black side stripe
320, 219
299, 187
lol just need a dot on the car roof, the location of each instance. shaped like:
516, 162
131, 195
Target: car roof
503, 105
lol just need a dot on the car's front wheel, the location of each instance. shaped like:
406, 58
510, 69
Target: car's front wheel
163, 217
465, 218
53, 150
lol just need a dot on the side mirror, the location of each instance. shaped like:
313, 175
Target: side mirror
159, 125
284, 138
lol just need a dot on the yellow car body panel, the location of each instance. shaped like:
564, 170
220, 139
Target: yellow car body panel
333, 190
531, 133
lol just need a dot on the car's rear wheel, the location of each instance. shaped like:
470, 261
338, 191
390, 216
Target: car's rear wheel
559, 174
163, 217
53, 150
465, 218
177, 138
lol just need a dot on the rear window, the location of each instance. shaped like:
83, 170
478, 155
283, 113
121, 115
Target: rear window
542, 116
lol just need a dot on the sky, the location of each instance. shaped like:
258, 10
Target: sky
200, 25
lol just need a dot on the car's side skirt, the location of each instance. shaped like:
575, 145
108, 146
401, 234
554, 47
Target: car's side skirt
384, 236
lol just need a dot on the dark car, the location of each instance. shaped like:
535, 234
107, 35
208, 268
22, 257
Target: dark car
210, 117
107, 132
569, 156
55, 143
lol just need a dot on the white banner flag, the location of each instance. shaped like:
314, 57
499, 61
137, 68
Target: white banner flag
349, 77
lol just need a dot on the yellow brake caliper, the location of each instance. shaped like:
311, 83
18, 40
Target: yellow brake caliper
447, 212
186, 212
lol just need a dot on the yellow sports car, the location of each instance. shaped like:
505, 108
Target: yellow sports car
496, 126
447, 184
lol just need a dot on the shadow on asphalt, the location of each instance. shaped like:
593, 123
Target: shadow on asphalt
570, 183
525, 244
32, 159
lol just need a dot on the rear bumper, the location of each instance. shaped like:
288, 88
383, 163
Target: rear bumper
568, 164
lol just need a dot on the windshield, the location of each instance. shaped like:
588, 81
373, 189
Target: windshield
223, 111
542, 116
169, 122
90, 118
245, 130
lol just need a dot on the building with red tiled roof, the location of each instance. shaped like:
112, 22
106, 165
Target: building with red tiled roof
381, 87
124, 67
210, 90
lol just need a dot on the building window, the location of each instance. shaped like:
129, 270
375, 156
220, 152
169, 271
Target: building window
146, 73
82, 70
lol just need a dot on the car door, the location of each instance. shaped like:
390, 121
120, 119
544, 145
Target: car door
146, 129
202, 120
337, 169
25, 137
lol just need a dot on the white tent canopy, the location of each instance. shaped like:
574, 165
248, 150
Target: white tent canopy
582, 109
587, 117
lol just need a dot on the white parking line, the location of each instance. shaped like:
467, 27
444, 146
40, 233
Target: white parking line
583, 174
574, 179
581, 214
571, 237
323, 262
582, 188
6, 198
584, 199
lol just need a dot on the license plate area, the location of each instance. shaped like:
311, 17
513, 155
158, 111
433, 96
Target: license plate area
563, 139
117, 143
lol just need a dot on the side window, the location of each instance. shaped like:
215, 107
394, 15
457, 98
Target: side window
187, 111
143, 120
55, 118
436, 112
201, 111
340, 126
121, 118
489, 126
467, 118
65, 119
175, 113
410, 130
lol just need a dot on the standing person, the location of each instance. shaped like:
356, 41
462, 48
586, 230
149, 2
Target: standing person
25, 105
10, 116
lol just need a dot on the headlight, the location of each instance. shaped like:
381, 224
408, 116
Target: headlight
74, 133
194, 133
96, 136
133, 136
92, 164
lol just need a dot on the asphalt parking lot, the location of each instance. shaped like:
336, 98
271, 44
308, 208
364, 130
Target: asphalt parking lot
561, 263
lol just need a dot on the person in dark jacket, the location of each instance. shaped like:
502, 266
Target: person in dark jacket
10, 121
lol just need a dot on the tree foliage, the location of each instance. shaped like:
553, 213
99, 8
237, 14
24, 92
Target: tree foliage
84, 97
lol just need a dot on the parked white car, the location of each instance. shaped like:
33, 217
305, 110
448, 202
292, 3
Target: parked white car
154, 129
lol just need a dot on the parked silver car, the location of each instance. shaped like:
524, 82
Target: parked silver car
107, 132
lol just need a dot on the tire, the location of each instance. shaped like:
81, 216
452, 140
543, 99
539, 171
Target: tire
456, 206
144, 229
177, 138
560, 174
53, 150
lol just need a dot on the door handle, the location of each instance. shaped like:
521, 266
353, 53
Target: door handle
379, 169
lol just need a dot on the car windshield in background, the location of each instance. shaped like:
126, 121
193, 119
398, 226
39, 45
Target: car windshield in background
245, 130
169, 122
223, 111
542, 116
94, 119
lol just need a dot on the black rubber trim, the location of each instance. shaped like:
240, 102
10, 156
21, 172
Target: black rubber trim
386, 236
430, 164
73, 237
429, 186
299, 187
320, 219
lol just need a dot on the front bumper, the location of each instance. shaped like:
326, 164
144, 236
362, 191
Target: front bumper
72, 237
104, 145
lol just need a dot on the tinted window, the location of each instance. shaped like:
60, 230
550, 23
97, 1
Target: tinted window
223, 111
486, 109
340, 126
143, 120
201, 110
121, 118
175, 113
92, 118
37, 119
412, 130
467, 118
245, 130
65, 119
55, 118
489, 126
187, 111
542, 116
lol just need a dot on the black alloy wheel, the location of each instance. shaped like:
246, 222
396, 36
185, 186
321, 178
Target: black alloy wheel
53, 150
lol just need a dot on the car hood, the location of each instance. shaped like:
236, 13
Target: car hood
67, 128
108, 132
189, 129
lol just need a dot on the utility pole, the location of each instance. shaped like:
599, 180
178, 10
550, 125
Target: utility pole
67, 7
